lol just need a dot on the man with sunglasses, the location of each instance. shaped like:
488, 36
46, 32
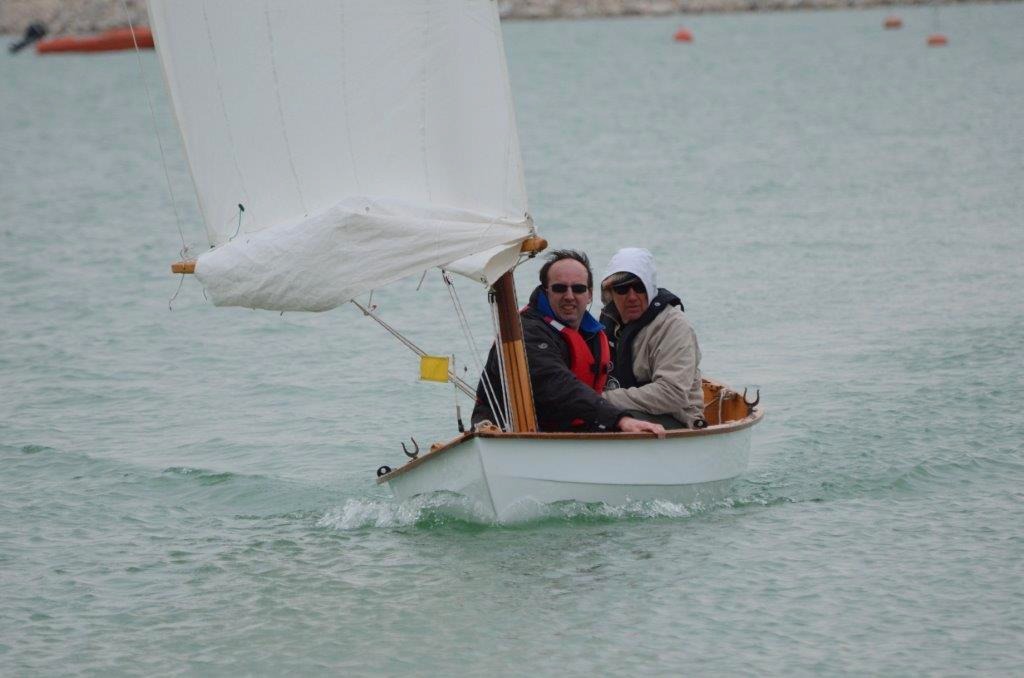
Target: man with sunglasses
567, 353
656, 371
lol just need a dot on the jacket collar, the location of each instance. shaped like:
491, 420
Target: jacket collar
539, 301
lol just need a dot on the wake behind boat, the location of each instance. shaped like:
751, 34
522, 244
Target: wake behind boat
337, 147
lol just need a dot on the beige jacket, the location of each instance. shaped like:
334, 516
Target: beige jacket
666, 354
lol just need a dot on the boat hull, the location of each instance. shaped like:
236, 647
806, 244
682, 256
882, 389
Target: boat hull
509, 477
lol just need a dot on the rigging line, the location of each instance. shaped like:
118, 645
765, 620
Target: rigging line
452, 377
523, 258
467, 332
343, 74
156, 131
455, 397
424, 86
463, 320
505, 385
280, 109
501, 363
503, 414
500, 413
170, 302
212, 45
460, 315
241, 208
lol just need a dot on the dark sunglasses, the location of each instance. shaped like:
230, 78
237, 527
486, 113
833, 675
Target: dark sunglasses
562, 288
623, 289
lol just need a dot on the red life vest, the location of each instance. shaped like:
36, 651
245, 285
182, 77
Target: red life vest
593, 373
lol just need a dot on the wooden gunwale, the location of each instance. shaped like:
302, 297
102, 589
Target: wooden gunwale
729, 427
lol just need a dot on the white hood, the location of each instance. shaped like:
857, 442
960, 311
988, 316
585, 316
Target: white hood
639, 262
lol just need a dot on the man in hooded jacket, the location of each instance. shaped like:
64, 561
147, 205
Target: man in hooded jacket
567, 354
656, 371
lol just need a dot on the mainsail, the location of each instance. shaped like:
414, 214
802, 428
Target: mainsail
337, 146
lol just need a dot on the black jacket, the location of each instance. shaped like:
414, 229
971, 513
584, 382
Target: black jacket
560, 398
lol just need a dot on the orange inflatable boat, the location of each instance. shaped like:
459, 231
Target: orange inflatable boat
108, 41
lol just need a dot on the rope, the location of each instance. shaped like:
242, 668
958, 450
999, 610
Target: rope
280, 110
241, 208
452, 377
156, 131
501, 361
170, 302
184, 253
467, 332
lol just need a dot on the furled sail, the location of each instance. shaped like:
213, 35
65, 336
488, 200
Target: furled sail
337, 146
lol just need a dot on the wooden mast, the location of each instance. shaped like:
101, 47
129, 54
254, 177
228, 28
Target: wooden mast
513, 350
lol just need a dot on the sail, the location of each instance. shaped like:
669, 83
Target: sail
337, 146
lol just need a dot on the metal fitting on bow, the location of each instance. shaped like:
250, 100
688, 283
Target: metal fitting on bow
751, 406
416, 451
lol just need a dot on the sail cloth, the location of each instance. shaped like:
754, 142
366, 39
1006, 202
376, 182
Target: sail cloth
337, 146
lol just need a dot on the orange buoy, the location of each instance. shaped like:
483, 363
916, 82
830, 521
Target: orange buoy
114, 39
683, 35
892, 22
937, 40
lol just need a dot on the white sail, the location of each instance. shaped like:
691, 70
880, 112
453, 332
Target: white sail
366, 140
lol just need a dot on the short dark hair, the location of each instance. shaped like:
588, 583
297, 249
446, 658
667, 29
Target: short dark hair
559, 255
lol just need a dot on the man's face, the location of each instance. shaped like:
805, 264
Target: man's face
569, 305
630, 300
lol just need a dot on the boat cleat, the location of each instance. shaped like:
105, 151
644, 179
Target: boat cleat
751, 406
416, 449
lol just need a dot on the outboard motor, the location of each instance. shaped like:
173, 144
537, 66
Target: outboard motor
34, 31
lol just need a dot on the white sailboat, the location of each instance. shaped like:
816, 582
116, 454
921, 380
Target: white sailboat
336, 147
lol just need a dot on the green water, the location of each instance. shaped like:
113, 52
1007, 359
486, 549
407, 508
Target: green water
841, 209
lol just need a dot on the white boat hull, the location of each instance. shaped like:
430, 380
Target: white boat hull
507, 477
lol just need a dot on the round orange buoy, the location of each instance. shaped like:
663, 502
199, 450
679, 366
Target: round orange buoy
892, 22
937, 40
683, 35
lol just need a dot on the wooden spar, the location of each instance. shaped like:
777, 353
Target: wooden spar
531, 245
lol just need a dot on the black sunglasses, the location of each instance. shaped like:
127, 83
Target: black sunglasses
623, 289
562, 288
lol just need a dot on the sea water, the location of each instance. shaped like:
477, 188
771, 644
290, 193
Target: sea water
841, 208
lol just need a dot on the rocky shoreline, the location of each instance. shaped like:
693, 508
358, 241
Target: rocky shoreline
88, 16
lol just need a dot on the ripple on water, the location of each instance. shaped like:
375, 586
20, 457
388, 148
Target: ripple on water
201, 476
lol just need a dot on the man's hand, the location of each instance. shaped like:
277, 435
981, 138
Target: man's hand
631, 425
